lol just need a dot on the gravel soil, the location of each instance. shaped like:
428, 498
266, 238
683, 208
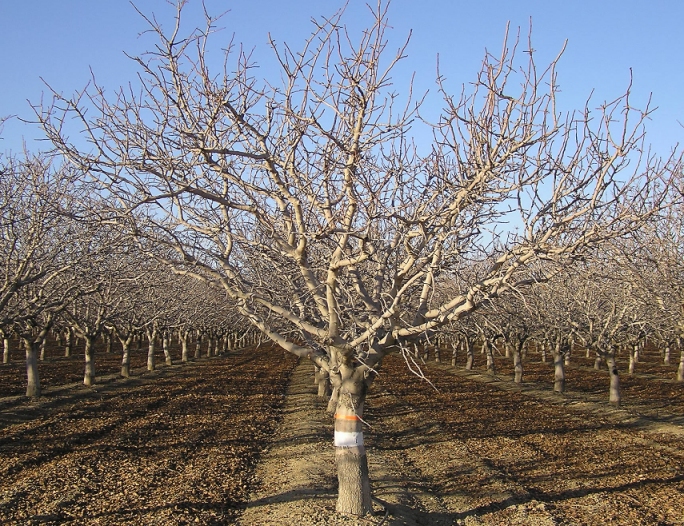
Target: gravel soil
243, 439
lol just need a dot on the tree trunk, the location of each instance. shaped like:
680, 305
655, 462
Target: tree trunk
150, 352
165, 345
543, 353
323, 382
666, 358
89, 374
354, 495
69, 337
454, 351
32, 376
198, 346
632, 359
491, 366
598, 362
469, 355
558, 371
126, 359
42, 350
183, 336
680, 369
108, 342
566, 357
517, 365
614, 397
5, 348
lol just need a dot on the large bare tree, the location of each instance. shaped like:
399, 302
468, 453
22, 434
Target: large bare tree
306, 197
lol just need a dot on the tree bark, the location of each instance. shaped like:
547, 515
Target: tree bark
680, 369
517, 365
165, 345
489, 351
354, 495
150, 355
32, 375
614, 397
5, 348
198, 346
183, 336
126, 359
89, 374
558, 372
69, 338
469, 355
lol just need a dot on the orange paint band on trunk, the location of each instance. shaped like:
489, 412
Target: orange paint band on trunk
346, 417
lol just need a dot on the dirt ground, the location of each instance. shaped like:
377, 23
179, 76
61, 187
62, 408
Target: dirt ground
242, 439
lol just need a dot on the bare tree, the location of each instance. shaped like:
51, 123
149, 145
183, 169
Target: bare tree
304, 196
36, 253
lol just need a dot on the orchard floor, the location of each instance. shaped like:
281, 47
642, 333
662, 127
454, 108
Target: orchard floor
242, 439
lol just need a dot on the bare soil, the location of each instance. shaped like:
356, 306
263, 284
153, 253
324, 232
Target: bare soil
242, 439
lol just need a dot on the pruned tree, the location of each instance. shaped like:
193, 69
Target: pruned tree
305, 197
37, 255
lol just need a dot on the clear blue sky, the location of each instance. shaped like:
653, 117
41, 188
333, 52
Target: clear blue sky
61, 40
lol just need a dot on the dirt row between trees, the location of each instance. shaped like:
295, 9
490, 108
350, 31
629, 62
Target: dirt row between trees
474, 453
243, 439
177, 446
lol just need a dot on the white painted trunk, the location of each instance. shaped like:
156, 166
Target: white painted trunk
150, 355
167, 353
517, 366
558, 372
666, 357
198, 346
126, 359
614, 397
184, 346
69, 342
32, 375
5, 350
89, 373
680, 369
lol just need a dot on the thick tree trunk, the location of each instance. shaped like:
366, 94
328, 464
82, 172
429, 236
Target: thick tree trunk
165, 345
598, 362
42, 350
354, 495
517, 365
198, 346
666, 357
184, 346
150, 354
543, 353
614, 397
32, 376
126, 359
680, 369
5, 349
323, 382
558, 372
489, 350
469, 355
69, 337
89, 374
108, 343
632, 359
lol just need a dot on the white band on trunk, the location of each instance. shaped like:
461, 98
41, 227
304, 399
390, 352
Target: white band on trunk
348, 438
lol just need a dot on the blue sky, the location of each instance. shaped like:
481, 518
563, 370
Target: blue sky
61, 41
